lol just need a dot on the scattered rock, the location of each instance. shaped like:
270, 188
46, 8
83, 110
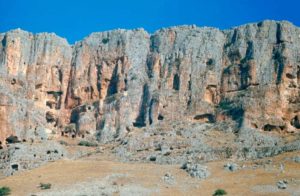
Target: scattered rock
269, 161
169, 178
231, 166
22, 156
115, 83
282, 184
196, 170
165, 150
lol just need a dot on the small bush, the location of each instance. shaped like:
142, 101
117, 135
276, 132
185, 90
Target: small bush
87, 143
44, 186
5, 191
219, 192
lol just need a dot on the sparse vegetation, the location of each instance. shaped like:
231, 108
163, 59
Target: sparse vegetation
134, 77
87, 143
44, 186
219, 192
5, 191
228, 152
62, 142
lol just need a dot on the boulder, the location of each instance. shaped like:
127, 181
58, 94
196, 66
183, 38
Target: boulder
196, 170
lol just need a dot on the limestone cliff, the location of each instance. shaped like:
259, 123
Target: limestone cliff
115, 82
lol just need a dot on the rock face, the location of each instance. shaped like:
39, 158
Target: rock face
116, 82
35, 72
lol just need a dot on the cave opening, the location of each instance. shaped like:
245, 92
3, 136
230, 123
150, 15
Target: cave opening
141, 119
15, 167
176, 82
160, 117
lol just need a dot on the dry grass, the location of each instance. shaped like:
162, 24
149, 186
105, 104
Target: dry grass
64, 173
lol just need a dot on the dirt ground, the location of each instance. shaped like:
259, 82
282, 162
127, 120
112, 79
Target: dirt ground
257, 177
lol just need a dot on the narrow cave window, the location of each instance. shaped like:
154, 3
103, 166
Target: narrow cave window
50, 117
50, 104
210, 63
125, 82
176, 82
269, 127
37, 86
113, 84
87, 89
207, 118
105, 40
289, 76
190, 83
189, 101
160, 117
60, 75
12, 139
15, 167
13, 81
295, 122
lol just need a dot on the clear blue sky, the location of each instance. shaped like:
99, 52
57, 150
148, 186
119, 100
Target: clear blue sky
74, 19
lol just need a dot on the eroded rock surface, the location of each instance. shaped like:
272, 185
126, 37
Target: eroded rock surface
22, 157
126, 85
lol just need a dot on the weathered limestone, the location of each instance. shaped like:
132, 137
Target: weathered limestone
117, 81
34, 76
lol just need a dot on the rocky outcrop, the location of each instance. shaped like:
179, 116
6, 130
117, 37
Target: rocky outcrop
22, 157
34, 74
108, 74
113, 83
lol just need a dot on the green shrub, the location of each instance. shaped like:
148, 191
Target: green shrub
5, 191
44, 186
87, 143
219, 192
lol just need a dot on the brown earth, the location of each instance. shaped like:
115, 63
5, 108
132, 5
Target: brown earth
255, 178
